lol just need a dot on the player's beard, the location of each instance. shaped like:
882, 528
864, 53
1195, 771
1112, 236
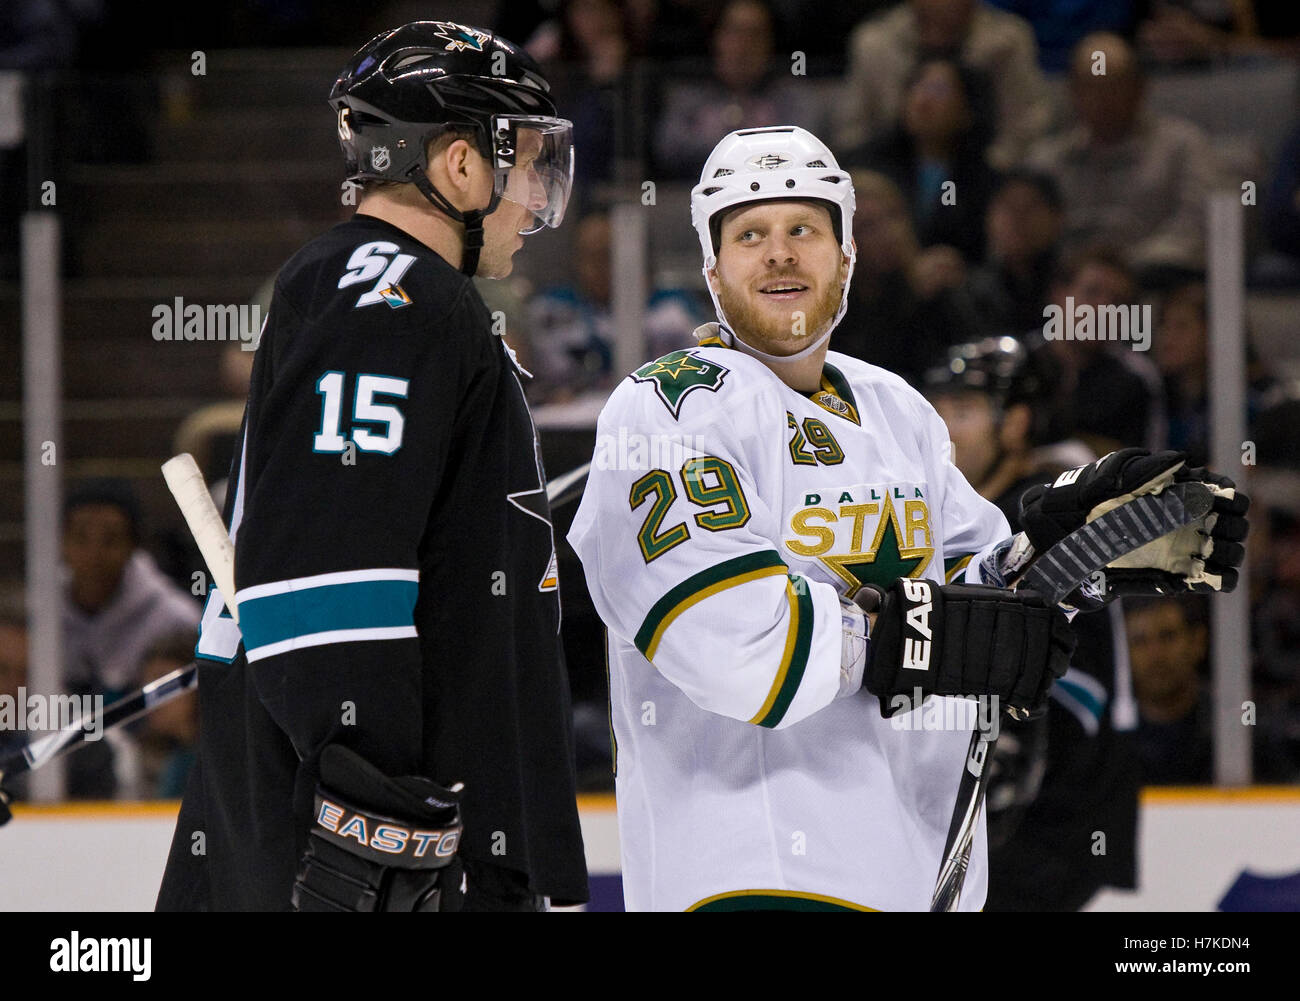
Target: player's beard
771, 332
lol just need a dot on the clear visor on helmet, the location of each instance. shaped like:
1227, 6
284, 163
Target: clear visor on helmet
534, 166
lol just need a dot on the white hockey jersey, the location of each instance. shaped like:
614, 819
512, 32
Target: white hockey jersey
725, 515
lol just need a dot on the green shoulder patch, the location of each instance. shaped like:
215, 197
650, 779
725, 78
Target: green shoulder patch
677, 373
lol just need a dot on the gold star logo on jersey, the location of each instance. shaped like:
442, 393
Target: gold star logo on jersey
833, 528
881, 565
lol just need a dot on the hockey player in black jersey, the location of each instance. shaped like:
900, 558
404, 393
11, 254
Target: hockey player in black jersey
387, 727
1059, 779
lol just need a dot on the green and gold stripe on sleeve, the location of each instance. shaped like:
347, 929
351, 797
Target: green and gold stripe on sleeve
794, 658
954, 566
697, 587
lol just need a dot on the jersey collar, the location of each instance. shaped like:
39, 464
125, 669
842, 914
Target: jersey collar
834, 395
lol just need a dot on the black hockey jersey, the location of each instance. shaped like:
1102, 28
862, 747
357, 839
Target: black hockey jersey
1049, 856
395, 580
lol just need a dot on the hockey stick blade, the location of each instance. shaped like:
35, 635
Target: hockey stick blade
1055, 573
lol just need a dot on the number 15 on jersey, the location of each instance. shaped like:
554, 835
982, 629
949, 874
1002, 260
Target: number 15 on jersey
375, 426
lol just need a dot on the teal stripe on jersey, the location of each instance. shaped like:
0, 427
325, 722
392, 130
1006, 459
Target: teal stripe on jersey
367, 604
1081, 695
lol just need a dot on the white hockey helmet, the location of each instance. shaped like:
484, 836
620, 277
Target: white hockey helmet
781, 161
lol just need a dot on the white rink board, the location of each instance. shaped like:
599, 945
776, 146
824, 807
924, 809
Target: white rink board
110, 857
1192, 849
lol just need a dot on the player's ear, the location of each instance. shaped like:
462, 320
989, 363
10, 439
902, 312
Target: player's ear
711, 276
455, 160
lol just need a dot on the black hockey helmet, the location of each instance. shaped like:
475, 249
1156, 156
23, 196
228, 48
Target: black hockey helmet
1008, 370
408, 85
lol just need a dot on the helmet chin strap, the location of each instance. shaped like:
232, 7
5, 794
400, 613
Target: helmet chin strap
472, 220
731, 335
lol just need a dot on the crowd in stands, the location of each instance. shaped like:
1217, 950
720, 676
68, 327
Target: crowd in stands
1007, 160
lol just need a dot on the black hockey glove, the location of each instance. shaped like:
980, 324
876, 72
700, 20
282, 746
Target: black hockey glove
964, 640
378, 843
1202, 556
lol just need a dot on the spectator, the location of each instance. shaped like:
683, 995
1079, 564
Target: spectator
1059, 24
746, 89
1180, 352
1113, 393
1023, 226
935, 154
572, 349
884, 50
1189, 31
168, 736
906, 305
116, 602
592, 85
1130, 177
1167, 648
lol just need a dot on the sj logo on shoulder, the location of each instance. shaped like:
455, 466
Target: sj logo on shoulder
380, 260
864, 534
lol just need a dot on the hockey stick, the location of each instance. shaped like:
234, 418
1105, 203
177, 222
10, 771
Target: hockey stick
1054, 574
119, 713
567, 486
186, 483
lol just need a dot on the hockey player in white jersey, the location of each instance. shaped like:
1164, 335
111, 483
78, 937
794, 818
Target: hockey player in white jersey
749, 498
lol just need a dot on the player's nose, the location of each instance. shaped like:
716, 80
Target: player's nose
780, 251
536, 192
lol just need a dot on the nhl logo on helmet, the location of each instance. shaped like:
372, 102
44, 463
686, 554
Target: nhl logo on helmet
379, 158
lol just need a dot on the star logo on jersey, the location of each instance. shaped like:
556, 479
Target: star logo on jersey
881, 566
677, 374
768, 161
460, 38
533, 502
834, 528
